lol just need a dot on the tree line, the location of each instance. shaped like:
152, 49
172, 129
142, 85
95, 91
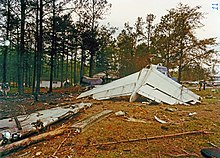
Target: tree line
60, 40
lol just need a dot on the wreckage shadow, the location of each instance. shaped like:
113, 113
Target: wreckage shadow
139, 100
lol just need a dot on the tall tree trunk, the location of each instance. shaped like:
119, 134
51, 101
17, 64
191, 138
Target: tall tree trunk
75, 68
92, 51
4, 64
62, 61
35, 59
55, 69
181, 51
52, 51
26, 69
26, 62
51, 72
180, 61
40, 51
10, 62
18, 55
179, 74
6, 47
71, 72
91, 63
82, 65
180, 68
35, 51
34, 69
57, 66
67, 65
21, 58
28, 66
168, 54
29, 76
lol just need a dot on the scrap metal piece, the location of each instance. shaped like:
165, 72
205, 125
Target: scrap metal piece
120, 113
159, 120
38, 120
130, 119
6, 136
192, 113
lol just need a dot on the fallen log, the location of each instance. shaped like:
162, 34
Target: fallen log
153, 138
86, 123
31, 140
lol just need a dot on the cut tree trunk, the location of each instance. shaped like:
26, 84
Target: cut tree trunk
31, 140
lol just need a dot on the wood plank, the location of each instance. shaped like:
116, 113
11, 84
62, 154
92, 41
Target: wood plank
82, 125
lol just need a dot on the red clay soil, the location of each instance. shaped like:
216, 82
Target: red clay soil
117, 128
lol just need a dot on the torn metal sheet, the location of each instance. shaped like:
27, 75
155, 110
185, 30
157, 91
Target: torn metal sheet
38, 120
150, 83
80, 126
120, 113
159, 120
192, 113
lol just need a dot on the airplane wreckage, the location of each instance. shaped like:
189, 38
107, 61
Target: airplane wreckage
18, 127
152, 83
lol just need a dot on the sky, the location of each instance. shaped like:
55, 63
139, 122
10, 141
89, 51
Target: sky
129, 10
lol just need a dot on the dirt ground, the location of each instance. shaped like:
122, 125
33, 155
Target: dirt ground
117, 128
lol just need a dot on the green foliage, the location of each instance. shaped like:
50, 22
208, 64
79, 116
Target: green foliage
105, 54
74, 42
176, 42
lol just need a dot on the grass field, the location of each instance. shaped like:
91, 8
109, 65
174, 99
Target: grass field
117, 128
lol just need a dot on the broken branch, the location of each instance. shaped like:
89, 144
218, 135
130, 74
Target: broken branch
154, 137
61, 144
182, 155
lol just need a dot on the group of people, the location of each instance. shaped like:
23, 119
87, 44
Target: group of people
202, 85
4, 89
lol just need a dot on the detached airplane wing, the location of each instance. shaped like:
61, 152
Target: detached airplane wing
150, 83
120, 87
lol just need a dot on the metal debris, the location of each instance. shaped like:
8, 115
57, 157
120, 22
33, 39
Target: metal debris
151, 83
130, 119
120, 113
36, 121
192, 113
159, 120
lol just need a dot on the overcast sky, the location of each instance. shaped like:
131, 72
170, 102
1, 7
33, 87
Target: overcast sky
128, 10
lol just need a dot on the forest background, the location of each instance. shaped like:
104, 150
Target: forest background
59, 40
